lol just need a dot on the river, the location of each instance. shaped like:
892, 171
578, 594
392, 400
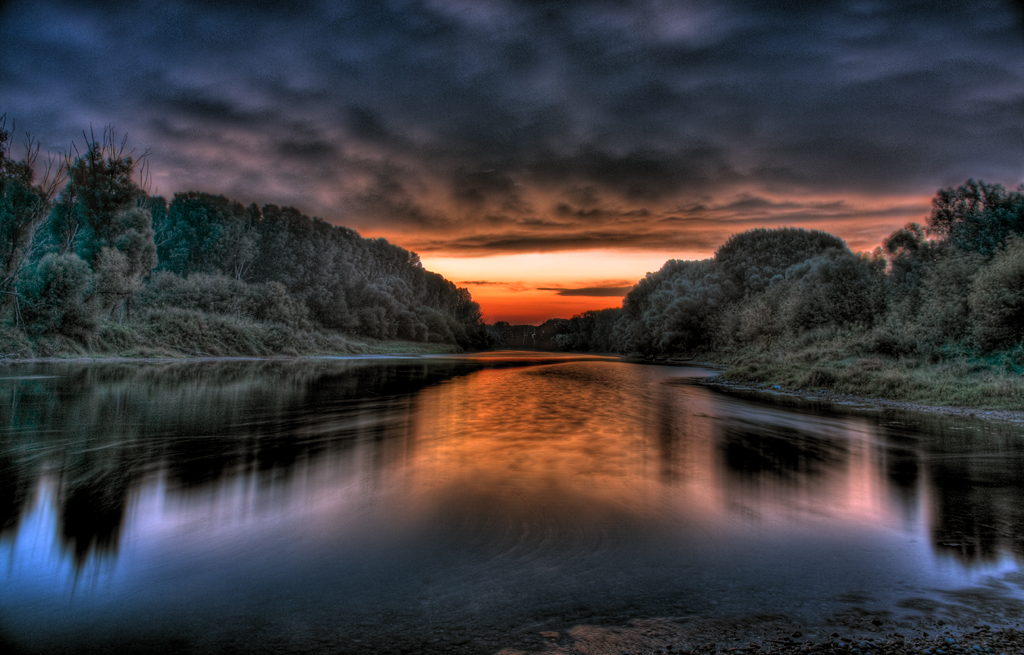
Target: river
470, 504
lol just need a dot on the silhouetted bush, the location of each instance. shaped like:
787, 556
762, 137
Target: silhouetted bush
592, 331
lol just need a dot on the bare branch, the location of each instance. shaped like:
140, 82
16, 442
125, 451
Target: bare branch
145, 178
31, 151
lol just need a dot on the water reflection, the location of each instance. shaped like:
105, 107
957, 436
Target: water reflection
100, 431
972, 475
780, 453
978, 508
394, 498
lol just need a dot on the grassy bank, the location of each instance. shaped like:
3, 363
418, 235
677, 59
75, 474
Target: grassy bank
185, 333
841, 364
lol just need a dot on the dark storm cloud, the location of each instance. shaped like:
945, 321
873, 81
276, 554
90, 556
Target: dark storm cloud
209, 110
527, 241
476, 186
489, 125
637, 175
366, 124
695, 227
307, 150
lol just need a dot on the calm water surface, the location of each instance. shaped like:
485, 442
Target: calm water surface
431, 504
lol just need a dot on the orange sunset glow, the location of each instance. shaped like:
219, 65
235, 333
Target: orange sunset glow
530, 288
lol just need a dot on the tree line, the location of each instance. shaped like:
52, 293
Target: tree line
84, 247
951, 287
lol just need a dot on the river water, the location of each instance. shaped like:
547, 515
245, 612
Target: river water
467, 504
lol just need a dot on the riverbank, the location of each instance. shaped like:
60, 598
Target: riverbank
853, 402
355, 348
196, 336
957, 383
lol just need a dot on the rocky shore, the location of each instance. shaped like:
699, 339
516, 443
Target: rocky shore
982, 641
771, 636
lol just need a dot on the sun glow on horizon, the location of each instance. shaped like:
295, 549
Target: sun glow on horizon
530, 288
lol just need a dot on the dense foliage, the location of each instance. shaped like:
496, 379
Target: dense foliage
88, 248
953, 286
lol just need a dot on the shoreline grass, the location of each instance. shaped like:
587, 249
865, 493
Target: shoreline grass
180, 334
954, 379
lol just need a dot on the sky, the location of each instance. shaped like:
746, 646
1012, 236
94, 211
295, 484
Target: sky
544, 154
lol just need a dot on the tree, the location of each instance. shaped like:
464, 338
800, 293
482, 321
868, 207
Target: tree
944, 314
752, 259
203, 233
102, 217
24, 207
675, 308
100, 189
836, 287
121, 268
976, 216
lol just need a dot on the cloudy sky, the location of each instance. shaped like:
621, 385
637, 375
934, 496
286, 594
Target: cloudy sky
546, 154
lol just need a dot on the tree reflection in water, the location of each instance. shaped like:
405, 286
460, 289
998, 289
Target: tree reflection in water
482, 489
100, 430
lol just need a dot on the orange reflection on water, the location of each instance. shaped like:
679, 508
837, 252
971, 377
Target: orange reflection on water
579, 436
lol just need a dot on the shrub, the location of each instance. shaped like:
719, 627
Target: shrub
55, 295
997, 299
834, 288
944, 314
220, 295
